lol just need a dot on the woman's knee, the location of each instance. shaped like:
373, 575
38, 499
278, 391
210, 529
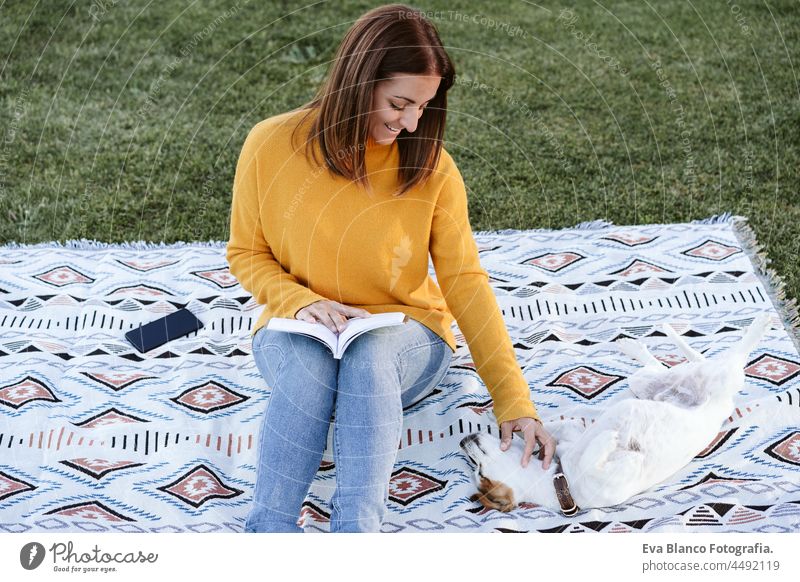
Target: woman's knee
399, 356
422, 368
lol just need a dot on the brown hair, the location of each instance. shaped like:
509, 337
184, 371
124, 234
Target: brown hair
388, 40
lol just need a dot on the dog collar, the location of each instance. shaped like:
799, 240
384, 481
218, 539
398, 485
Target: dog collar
568, 505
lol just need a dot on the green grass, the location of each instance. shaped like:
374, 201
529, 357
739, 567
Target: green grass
127, 126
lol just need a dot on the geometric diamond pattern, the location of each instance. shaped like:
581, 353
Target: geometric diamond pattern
118, 380
221, 277
98, 468
407, 485
198, 486
139, 290
716, 444
714, 478
209, 397
109, 417
712, 250
702, 515
787, 449
745, 515
24, 391
773, 369
311, 512
478, 407
63, 275
640, 267
89, 510
586, 381
12, 486
144, 265
630, 238
554, 262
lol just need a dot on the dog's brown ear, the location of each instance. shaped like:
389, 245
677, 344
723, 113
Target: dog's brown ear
499, 504
494, 495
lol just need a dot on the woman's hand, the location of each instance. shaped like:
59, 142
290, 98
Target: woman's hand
533, 431
331, 314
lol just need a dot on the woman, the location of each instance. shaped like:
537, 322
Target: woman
341, 228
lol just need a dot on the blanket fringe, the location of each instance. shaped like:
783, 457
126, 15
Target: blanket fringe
589, 225
599, 224
715, 219
774, 284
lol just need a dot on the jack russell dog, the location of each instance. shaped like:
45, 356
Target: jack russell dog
635, 444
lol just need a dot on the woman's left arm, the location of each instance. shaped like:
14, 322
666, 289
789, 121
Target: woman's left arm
471, 300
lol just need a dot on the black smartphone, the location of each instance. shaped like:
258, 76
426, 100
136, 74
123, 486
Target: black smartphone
156, 333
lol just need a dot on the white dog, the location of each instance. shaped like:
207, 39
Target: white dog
635, 444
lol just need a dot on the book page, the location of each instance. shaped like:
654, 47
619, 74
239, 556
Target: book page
314, 330
358, 325
337, 343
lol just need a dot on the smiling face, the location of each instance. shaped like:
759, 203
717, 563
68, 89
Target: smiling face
398, 103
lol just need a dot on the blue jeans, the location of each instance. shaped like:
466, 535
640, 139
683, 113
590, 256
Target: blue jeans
382, 371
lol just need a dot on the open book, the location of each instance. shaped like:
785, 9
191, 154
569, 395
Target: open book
337, 343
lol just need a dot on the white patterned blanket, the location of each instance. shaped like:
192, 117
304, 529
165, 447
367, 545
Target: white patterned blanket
96, 437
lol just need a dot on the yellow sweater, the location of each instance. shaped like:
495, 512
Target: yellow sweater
299, 235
